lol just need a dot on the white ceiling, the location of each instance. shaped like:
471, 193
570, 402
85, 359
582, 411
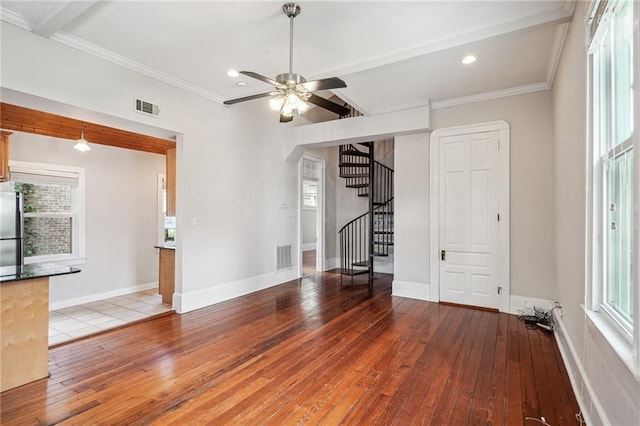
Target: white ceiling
392, 55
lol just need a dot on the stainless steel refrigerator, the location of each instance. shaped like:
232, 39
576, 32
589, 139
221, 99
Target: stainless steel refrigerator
11, 228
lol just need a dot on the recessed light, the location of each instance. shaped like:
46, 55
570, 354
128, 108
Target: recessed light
242, 84
469, 59
233, 73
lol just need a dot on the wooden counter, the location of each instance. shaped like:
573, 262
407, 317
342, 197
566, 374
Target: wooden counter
24, 324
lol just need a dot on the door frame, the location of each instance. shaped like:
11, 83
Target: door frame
503, 254
320, 211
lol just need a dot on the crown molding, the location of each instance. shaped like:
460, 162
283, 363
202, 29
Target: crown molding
13, 18
487, 96
122, 61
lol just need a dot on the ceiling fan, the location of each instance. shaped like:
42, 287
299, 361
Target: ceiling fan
292, 91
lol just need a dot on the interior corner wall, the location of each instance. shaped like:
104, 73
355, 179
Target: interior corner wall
121, 211
411, 216
232, 179
530, 119
608, 391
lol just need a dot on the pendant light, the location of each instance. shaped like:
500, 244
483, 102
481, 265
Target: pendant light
82, 144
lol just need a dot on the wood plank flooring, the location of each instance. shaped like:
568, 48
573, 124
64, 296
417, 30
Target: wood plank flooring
306, 352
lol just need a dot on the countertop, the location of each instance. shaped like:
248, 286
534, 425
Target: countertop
166, 247
38, 270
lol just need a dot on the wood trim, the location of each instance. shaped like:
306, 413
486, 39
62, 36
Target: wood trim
17, 118
4, 155
170, 181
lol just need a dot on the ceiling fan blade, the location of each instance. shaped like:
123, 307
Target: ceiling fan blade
327, 104
324, 84
286, 118
247, 98
260, 77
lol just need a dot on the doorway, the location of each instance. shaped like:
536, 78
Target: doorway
470, 215
311, 214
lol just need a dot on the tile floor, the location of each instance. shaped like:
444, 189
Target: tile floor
82, 320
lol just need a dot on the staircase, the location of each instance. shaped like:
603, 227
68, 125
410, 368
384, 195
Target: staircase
370, 234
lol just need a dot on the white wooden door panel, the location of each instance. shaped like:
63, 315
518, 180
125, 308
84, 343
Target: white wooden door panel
468, 209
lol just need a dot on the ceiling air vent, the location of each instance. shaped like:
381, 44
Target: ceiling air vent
147, 107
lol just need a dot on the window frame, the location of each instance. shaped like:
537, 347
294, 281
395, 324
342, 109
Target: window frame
78, 209
624, 340
305, 183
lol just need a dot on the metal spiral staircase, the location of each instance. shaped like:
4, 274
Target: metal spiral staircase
370, 234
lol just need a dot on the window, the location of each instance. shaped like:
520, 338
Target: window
611, 50
53, 198
309, 194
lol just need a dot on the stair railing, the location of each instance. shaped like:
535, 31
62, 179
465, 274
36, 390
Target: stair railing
371, 233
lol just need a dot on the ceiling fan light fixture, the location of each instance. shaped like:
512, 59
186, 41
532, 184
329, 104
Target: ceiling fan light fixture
276, 103
233, 73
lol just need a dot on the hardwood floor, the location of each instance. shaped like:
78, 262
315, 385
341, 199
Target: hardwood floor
306, 352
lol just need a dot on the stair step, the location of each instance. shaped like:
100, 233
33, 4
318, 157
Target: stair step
354, 165
353, 271
354, 175
383, 232
364, 263
376, 212
375, 253
383, 243
354, 153
358, 185
363, 195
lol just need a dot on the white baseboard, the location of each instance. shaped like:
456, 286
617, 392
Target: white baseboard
185, 302
308, 246
590, 407
411, 290
331, 263
101, 296
519, 304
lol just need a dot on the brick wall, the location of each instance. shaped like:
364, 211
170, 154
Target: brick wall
48, 235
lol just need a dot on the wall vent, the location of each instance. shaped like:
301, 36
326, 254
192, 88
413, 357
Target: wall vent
283, 257
146, 107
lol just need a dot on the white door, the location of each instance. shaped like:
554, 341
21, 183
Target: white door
468, 219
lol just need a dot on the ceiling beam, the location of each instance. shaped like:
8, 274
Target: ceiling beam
20, 119
61, 16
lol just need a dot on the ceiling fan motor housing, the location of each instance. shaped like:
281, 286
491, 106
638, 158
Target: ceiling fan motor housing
289, 78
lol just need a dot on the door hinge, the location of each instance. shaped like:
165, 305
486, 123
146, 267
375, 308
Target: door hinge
498, 217
499, 289
443, 254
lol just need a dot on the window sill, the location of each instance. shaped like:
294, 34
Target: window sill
67, 262
618, 343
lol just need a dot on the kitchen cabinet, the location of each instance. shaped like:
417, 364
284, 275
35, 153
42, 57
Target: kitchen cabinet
4, 155
170, 181
167, 274
24, 323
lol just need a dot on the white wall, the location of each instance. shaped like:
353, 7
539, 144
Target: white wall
121, 209
411, 227
532, 196
609, 392
232, 177
532, 212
